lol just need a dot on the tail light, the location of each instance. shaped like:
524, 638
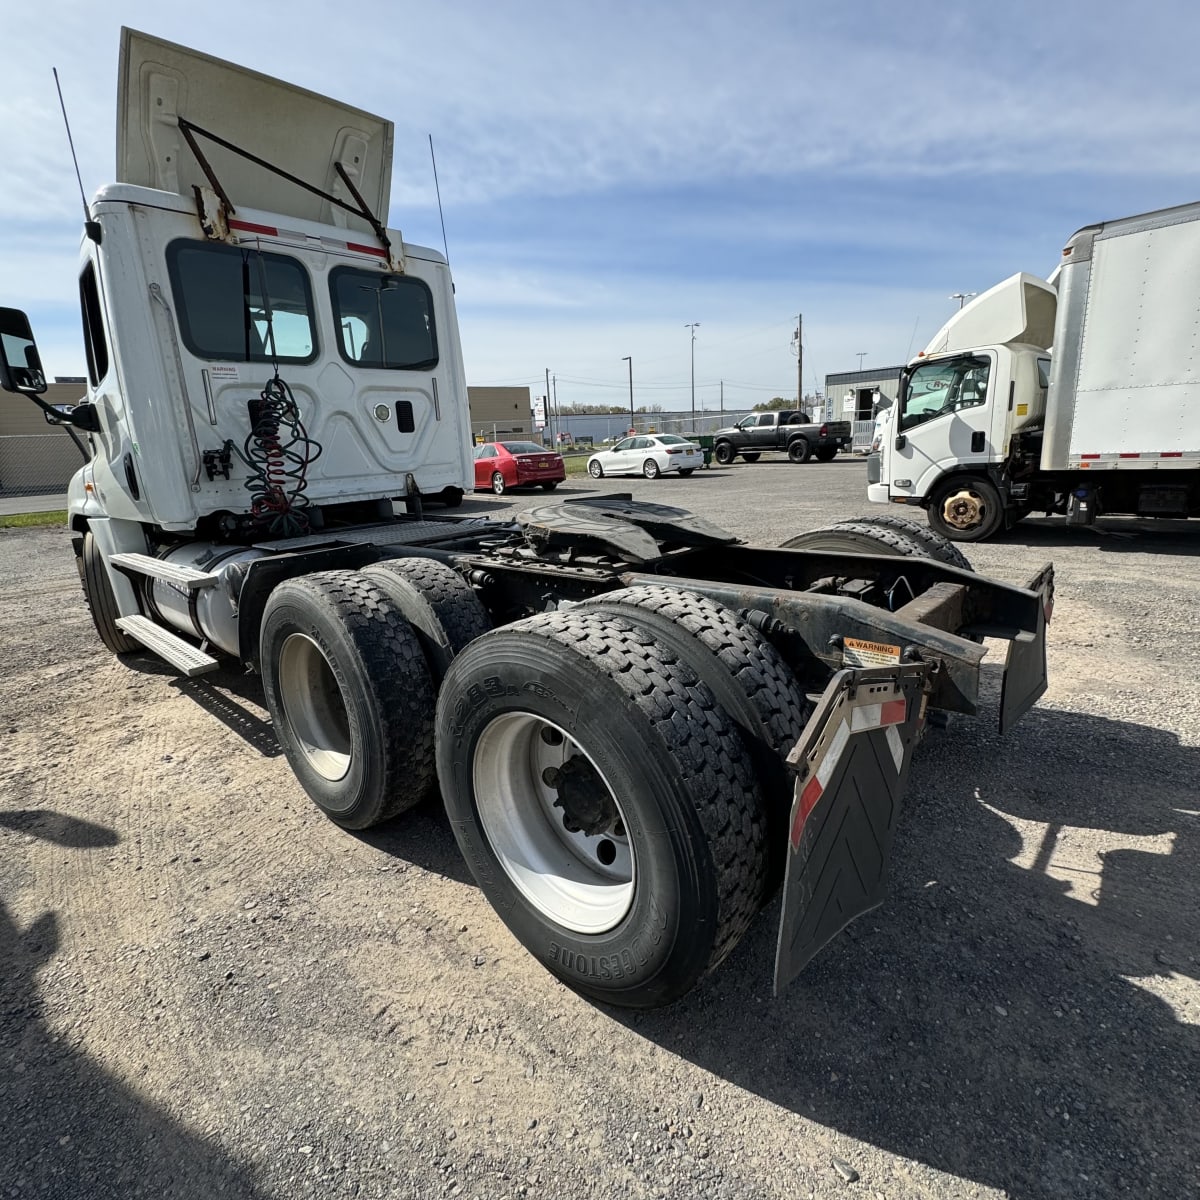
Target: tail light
674, 451
824, 431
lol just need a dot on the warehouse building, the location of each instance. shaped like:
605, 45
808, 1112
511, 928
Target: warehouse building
500, 412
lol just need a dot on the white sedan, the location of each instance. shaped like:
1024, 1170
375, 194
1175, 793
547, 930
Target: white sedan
650, 454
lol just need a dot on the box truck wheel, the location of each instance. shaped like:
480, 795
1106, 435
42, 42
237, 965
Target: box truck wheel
350, 696
604, 803
98, 595
745, 673
437, 602
724, 453
965, 509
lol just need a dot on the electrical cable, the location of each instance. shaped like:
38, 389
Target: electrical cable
277, 450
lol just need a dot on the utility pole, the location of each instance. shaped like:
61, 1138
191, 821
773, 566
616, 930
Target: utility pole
549, 410
629, 359
693, 327
861, 355
557, 414
722, 395
798, 343
963, 297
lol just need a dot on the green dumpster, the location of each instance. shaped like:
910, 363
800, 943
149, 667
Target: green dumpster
705, 442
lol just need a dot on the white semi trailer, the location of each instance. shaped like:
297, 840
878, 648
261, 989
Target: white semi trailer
613, 699
1079, 395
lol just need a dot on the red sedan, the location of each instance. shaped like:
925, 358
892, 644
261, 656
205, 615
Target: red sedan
504, 465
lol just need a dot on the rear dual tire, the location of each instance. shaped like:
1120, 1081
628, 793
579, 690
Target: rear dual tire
350, 695
658, 729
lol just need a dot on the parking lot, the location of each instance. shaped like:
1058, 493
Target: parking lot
208, 989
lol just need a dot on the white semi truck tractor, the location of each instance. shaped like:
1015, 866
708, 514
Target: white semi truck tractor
639, 726
1079, 395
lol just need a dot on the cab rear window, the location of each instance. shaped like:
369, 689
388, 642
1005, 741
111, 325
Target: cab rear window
383, 321
241, 305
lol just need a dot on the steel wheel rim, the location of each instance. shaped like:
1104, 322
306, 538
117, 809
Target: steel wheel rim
563, 874
964, 509
313, 706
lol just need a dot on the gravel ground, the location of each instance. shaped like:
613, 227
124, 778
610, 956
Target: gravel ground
206, 989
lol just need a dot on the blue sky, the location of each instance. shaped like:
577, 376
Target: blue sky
613, 171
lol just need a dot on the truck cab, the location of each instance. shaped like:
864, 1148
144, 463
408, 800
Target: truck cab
980, 384
221, 303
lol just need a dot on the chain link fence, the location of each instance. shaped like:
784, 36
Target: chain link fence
37, 464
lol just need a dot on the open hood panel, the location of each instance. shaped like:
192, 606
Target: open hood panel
1020, 309
297, 130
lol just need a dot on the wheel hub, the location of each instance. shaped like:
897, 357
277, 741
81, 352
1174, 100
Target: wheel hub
587, 804
963, 510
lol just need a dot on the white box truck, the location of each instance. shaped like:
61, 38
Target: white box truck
612, 698
1079, 395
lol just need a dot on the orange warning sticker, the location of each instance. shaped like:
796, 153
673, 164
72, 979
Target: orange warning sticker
858, 653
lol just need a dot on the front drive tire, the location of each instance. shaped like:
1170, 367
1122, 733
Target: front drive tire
724, 453
102, 604
350, 696
966, 509
604, 803
595, 470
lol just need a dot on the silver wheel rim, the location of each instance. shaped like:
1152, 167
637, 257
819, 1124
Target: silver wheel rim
313, 705
498, 484
594, 470
580, 881
649, 469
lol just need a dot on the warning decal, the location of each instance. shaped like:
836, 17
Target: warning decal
857, 653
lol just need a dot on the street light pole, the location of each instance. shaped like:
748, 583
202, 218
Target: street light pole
693, 327
629, 360
963, 297
861, 355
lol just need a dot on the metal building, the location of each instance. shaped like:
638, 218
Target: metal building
857, 396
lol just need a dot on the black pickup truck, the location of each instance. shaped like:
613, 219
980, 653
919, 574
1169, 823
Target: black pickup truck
788, 430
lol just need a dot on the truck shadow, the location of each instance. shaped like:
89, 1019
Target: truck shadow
997, 1018
1111, 534
73, 1129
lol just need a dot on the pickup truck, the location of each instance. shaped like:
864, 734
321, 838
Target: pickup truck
789, 430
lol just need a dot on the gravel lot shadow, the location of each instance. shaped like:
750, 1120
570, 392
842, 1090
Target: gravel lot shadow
72, 1130
997, 1019
1114, 535
232, 697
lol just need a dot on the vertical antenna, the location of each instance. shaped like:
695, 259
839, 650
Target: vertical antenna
92, 228
437, 188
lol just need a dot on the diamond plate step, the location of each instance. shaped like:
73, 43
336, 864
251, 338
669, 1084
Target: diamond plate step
146, 564
183, 656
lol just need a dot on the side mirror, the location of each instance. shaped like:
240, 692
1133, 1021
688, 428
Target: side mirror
20, 364
901, 441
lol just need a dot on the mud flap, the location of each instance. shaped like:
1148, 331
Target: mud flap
852, 766
1025, 665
